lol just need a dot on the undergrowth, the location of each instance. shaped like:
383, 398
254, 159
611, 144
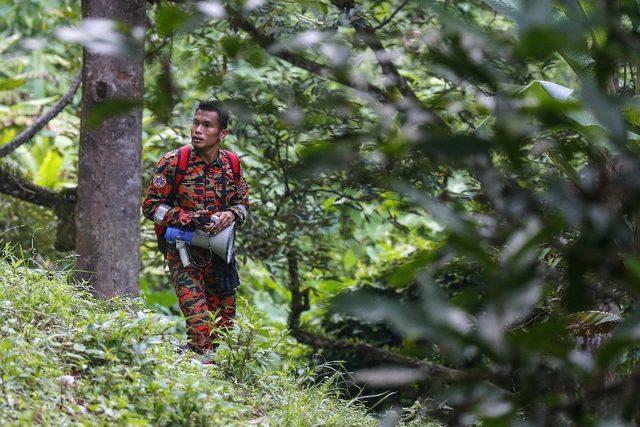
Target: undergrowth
69, 359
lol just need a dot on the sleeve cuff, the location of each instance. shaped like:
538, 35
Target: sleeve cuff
161, 212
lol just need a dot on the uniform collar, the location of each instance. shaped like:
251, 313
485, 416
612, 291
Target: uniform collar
198, 157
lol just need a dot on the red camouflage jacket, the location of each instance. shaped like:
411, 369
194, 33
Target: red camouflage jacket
201, 188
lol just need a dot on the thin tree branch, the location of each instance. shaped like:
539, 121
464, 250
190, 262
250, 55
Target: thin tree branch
267, 41
386, 21
29, 132
16, 186
380, 355
62, 203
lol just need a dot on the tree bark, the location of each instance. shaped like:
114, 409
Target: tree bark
108, 196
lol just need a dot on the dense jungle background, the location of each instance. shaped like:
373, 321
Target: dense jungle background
444, 222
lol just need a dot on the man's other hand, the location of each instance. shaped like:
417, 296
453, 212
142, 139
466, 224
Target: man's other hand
202, 218
225, 219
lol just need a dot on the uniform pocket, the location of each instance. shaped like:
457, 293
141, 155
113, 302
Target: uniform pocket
190, 192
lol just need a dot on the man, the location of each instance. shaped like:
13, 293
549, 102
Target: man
206, 289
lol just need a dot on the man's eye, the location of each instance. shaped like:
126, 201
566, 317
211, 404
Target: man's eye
195, 122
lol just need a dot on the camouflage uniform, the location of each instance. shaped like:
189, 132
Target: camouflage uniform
202, 298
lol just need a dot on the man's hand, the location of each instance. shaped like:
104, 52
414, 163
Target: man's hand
225, 219
202, 218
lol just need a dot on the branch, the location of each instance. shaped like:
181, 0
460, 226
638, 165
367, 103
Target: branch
386, 21
380, 355
16, 186
266, 41
29, 132
62, 203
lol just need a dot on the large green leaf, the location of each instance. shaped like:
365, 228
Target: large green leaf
49, 169
11, 83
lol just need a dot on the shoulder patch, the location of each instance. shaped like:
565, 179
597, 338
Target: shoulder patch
159, 181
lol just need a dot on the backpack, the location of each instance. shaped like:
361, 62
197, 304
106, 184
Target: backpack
184, 153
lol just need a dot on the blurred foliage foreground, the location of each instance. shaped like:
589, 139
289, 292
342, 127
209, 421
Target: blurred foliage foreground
445, 192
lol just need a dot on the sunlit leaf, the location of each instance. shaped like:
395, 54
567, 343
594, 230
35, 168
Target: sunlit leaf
49, 169
349, 260
11, 83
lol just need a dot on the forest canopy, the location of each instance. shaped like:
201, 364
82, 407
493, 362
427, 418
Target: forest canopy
444, 193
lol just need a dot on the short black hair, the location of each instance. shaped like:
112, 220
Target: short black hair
213, 105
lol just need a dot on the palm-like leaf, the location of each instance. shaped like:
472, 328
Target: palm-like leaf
592, 322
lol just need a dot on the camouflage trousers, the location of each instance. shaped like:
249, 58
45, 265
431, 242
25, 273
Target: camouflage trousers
206, 306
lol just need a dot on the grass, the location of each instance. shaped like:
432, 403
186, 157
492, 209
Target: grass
69, 359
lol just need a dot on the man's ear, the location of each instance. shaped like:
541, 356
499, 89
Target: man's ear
223, 134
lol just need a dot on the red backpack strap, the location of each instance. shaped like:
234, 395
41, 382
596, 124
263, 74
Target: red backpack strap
235, 164
184, 153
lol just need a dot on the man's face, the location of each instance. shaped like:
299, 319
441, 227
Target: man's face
205, 130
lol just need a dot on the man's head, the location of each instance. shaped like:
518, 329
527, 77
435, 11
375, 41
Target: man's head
209, 125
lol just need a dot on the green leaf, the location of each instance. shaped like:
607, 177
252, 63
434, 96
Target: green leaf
317, 6
328, 203
255, 57
108, 109
631, 110
170, 18
231, 45
49, 169
330, 287
405, 274
349, 261
11, 83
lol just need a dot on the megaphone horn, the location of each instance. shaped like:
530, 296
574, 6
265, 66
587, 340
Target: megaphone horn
221, 243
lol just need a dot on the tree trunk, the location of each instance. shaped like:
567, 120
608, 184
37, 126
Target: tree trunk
108, 196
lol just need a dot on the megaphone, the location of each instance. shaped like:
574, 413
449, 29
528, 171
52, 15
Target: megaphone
220, 243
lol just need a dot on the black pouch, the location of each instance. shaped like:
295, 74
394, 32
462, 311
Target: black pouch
225, 275
162, 244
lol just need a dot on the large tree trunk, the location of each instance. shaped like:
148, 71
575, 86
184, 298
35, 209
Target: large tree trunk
108, 196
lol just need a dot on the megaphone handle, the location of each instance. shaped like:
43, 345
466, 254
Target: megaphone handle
182, 250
